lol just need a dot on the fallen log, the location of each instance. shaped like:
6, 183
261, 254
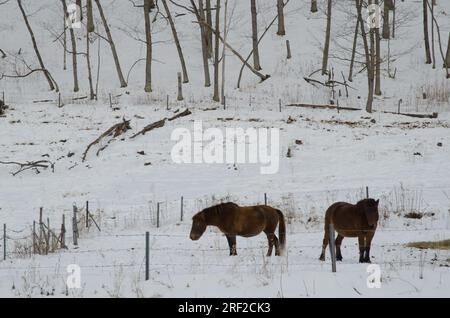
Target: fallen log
323, 106
156, 124
431, 116
161, 123
115, 131
184, 113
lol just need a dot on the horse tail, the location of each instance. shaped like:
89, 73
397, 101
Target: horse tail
281, 230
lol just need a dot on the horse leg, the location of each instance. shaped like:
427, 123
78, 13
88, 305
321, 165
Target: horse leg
369, 238
361, 243
326, 238
232, 244
277, 245
338, 247
270, 239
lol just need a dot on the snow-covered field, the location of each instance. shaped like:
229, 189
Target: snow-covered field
404, 161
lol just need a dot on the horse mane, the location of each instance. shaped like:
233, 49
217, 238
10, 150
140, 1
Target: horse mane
366, 202
220, 208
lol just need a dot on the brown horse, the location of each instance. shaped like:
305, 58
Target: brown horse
350, 220
249, 221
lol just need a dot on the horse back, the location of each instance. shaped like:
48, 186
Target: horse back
346, 218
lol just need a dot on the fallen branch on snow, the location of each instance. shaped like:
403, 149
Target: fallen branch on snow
44, 164
115, 131
161, 123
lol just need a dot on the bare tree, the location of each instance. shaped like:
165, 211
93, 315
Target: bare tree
90, 16
225, 33
216, 96
36, 50
148, 42
256, 62
88, 61
326, 47
386, 27
352, 60
433, 52
74, 50
80, 11
369, 55
111, 44
425, 31
314, 6
280, 8
201, 20
447, 57
377, 58
209, 35
177, 42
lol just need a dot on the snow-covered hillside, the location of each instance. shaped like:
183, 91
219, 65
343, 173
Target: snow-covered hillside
333, 156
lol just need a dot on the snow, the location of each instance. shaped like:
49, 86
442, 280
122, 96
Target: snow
341, 153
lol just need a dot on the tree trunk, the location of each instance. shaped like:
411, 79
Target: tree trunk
216, 96
80, 11
386, 27
280, 7
177, 42
326, 47
36, 50
425, 31
256, 62
74, 51
209, 35
88, 60
90, 16
148, 41
112, 45
352, 60
378, 58
314, 6
367, 56
201, 21
433, 52
225, 33
64, 44
447, 57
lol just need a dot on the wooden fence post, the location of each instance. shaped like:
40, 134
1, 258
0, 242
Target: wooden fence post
180, 87
34, 237
167, 103
279, 104
157, 215
367, 192
47, 238
75, 226
332, 248
147, 255
288, 47
182, 207
265, 198
4, 242
40, 228
87, 214
63, 232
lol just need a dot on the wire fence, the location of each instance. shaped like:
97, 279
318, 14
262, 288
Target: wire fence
160, 216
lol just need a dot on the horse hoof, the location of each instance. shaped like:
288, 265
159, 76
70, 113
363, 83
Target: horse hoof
322, 258
339, 259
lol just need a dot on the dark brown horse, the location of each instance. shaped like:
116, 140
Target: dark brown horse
350, 220
249, 221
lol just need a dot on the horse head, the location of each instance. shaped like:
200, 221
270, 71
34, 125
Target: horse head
198, 226
370, 208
